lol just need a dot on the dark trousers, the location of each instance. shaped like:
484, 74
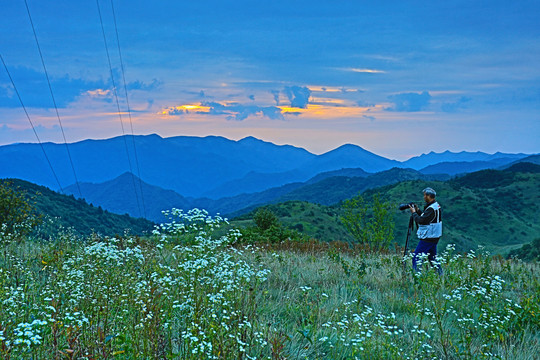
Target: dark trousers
429, 248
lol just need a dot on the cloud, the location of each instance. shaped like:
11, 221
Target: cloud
295, 113
34, 90
251, 97
234, 111
372, 118
276, 96
363, 103
298, 96
241, 112
173, 110
409, 102
139, 85
367, 71
100, 94
452, 107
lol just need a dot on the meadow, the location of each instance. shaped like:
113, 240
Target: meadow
194, 290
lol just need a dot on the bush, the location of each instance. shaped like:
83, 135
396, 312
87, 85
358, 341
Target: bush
265, 219
269, 229
18, 216
369, 226
528, 252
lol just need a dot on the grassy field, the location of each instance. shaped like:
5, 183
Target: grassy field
183, 294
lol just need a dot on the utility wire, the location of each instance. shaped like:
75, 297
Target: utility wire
53, 99
118, 105
128, 108
32, 124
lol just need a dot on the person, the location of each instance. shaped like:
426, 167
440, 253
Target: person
429, 231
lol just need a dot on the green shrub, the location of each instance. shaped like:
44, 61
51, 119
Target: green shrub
269, 229
372, 226
17, 215
265, 219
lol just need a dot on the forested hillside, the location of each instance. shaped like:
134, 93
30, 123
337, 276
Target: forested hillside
65, 211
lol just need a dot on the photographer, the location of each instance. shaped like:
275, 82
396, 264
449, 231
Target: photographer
429, 227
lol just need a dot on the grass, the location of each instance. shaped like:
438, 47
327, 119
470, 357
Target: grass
182, 294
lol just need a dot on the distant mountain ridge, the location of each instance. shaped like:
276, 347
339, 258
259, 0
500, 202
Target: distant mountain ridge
327, 188
461, 167
424, 160
205, 167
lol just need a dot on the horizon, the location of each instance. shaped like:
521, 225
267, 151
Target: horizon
396, 78
271, 142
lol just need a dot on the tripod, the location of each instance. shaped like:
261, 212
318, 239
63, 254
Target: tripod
409, 230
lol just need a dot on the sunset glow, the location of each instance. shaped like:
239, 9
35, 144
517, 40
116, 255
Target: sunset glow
242, 69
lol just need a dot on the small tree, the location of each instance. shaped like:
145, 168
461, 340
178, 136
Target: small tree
381, 225
17, 215
373, 227
354, 218
264, 219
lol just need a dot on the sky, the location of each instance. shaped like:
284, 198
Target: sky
398, 78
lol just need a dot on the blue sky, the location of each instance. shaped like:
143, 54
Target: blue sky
398, 78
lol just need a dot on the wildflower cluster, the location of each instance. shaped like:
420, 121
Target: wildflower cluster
187, 293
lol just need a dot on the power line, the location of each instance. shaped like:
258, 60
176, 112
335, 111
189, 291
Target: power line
53, 99
32, 124
118, 104
128, 108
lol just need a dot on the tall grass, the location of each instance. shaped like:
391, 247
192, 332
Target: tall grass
184, 294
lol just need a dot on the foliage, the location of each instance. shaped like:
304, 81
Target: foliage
127, 297
268, 229
528, 252
187, 227
18, 215
265, 219
62, 211
507, 213
373, 227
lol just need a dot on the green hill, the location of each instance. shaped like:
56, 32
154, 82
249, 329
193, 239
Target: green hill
68, 212
497, 209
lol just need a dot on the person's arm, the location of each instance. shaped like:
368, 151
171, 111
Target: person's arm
425, 217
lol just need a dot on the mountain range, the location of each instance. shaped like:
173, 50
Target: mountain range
219, 174
326, 188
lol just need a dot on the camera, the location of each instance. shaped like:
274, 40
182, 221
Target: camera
406, 206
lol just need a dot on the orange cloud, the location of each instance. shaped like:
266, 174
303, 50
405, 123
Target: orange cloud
177, 110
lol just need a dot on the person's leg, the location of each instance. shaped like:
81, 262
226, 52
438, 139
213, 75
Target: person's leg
432, 255
422, 248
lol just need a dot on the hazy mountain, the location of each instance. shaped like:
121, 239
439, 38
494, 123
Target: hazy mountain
460, 167
334, 189
118, 196
350, 156
255, 182
424, 160
213, 167
347, 172
346, 156
188, 165
534, 159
